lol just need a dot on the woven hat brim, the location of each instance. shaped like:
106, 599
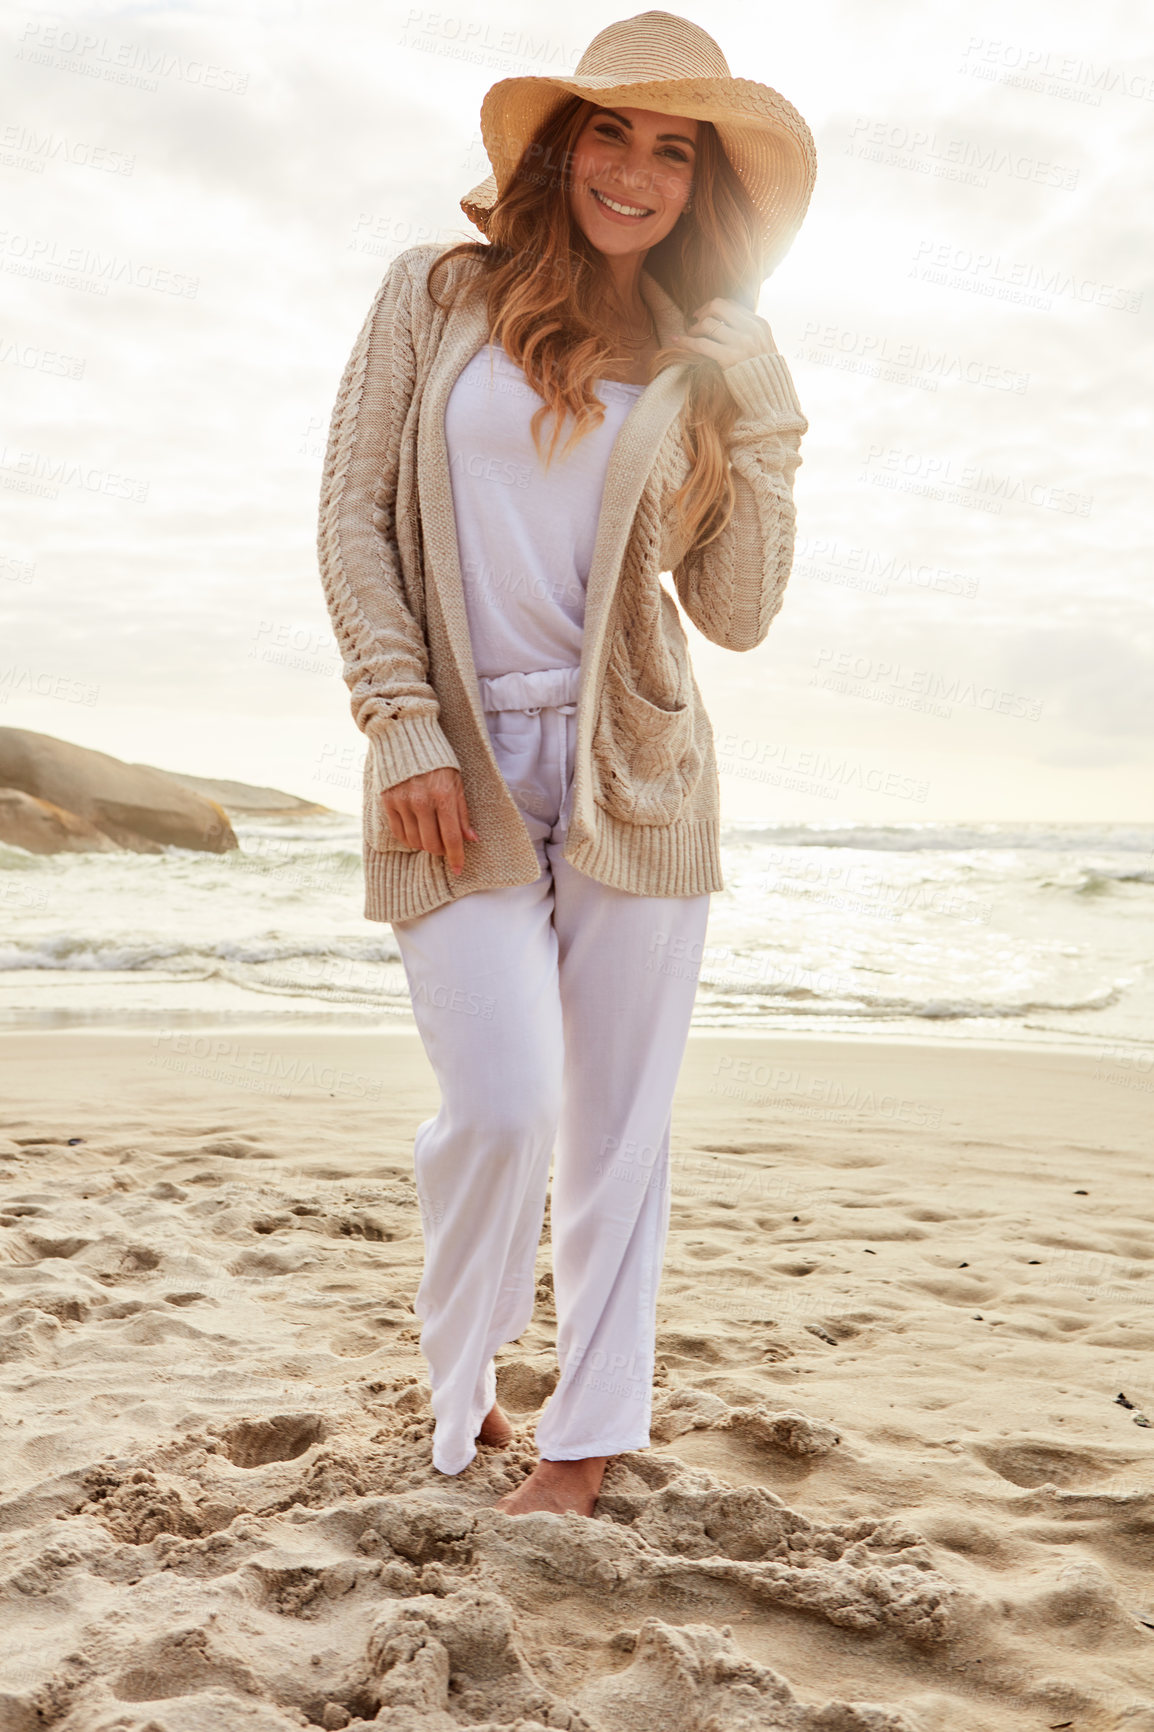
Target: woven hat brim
763, 135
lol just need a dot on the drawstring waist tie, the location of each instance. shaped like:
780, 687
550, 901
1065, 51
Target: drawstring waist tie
543, 688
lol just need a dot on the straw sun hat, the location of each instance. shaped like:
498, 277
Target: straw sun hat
659, 61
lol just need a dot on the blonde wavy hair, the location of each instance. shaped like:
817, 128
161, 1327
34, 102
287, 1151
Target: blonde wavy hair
545, 283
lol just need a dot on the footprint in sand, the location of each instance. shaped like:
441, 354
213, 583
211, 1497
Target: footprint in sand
1033, 1463
256, 1442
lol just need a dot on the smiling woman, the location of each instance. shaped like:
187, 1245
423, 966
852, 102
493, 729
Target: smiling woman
512, 652
597, 194
631, 181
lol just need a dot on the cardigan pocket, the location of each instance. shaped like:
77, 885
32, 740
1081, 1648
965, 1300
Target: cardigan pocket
647, 758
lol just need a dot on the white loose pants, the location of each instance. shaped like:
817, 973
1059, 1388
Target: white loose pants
552, 1013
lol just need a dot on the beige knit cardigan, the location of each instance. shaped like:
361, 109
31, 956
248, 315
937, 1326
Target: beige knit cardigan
645, 811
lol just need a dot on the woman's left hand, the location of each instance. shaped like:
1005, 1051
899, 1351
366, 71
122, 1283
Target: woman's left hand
727, 332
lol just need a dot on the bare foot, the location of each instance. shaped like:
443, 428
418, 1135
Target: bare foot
495, 1428
557, 1486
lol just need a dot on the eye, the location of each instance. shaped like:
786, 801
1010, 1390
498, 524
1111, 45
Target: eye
612, 130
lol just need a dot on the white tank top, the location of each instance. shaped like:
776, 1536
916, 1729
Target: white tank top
525, 533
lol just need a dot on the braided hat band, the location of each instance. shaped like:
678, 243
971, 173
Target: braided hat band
668, 64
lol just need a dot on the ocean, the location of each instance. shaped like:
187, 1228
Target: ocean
1033, 933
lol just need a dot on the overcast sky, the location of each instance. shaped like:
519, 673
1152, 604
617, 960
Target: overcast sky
200, 201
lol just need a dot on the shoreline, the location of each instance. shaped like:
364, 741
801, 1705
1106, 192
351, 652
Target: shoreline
330, 1029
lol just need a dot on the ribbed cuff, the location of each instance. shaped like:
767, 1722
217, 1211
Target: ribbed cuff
762, 388
409, 746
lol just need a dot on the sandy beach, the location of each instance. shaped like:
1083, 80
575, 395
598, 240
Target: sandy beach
892, 1485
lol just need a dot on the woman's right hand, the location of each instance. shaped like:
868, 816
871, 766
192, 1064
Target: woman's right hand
429, 811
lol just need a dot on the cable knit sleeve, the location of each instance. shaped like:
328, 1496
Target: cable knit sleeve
383, 648
732, 588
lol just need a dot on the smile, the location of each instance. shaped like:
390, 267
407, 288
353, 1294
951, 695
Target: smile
625, 210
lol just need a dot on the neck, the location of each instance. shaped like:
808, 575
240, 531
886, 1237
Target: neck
624, 271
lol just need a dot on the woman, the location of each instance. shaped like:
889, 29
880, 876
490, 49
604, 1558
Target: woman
541, 794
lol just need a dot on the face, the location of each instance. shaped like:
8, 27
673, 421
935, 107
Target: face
636, 159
